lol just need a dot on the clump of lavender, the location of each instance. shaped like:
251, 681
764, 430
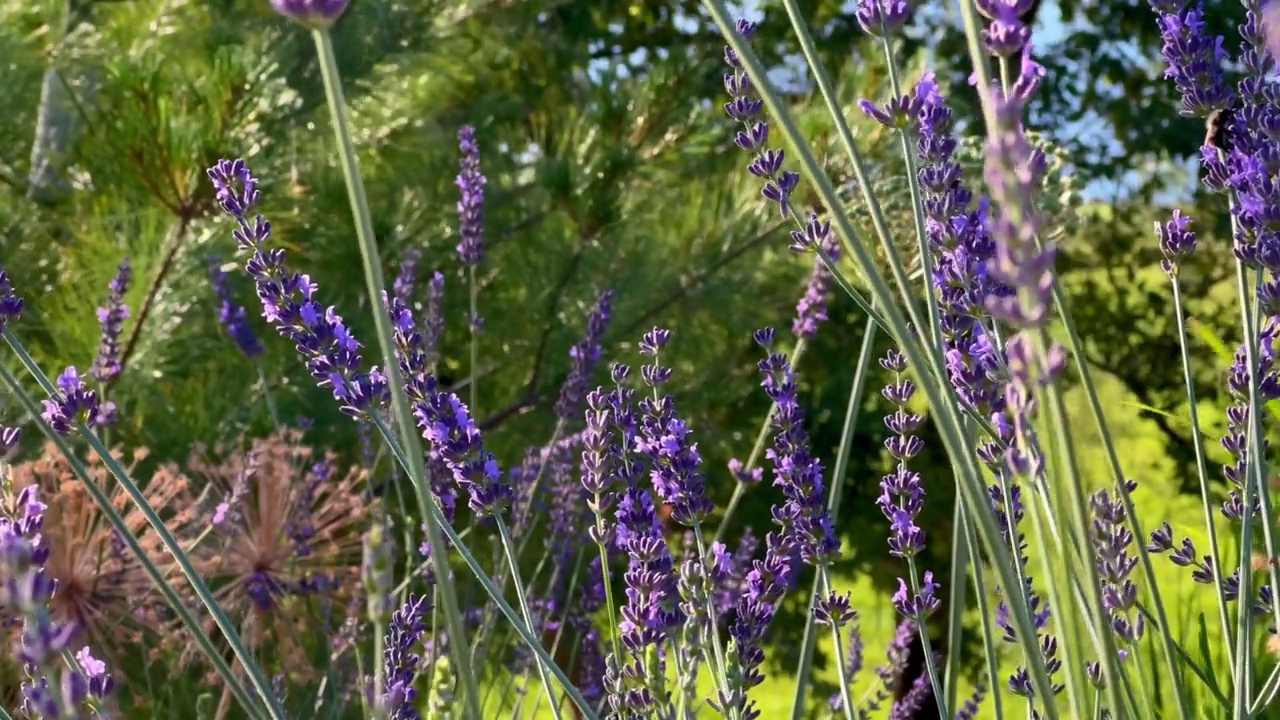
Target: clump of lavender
231, 315
961, 250
111, 317
289, 300
52, 689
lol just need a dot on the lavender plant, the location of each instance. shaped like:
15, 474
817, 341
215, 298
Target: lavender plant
982, 347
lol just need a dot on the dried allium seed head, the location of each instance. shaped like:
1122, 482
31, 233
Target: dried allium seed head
287, 553
102, 586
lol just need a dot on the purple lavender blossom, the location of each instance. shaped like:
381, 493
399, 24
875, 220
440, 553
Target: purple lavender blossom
969, 710
1195, 60
651, 611
403, 285
1006, 34
1177, 242
585, 356
401, 657
446, 423
767, 582
599, 456
73, 403
289, 300
1014, 169
882, 18
741, 474
1111, 540
811, 311
10, 304
664, 438
961, 250
897, 113
111, 317
734, 581
231, 315
747, 109
315, 14
897, 655
471, 205
796, 470
901, 493
53, 691
433, 325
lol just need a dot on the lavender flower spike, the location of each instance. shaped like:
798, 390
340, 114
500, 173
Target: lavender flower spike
676, 464
233, 316
471, 205
315, 14
585, 357
402, 659
289, 302
10, 304
73, 402
796, 470
107, 365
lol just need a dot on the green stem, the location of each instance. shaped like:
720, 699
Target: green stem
837, 642
480, 651
968, 477
509, 549
170, 543
740, 487
1202, 471
1253, 474
610, 607
1076, 347
930, 664
984, 613
376, 288
267, 396
1097, 614
834, 496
